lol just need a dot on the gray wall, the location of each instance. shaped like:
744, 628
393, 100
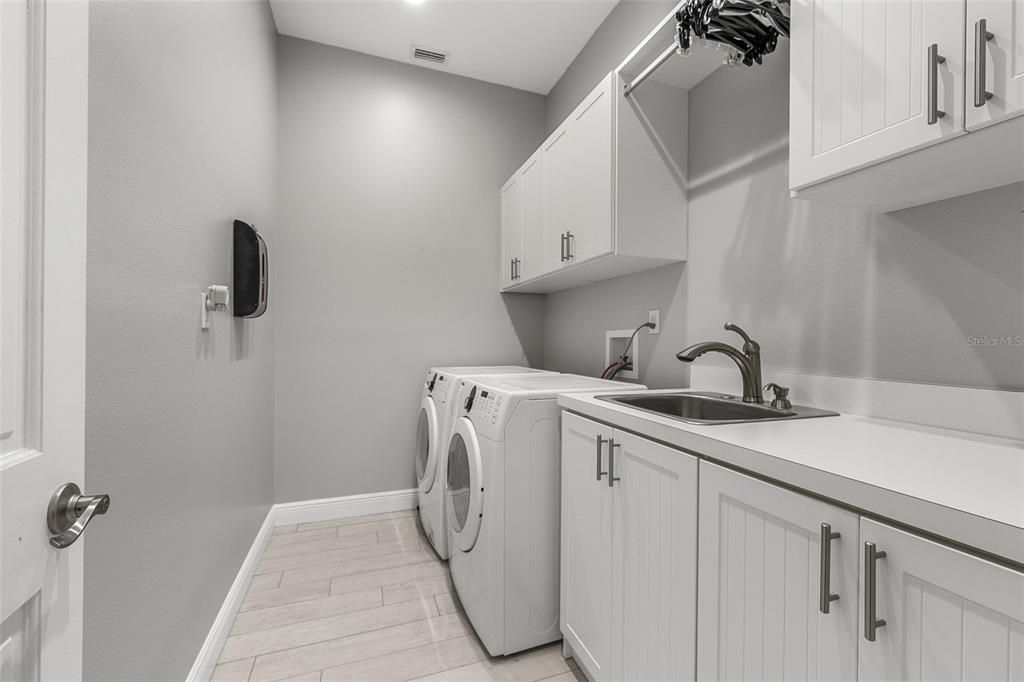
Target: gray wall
387, 263
824, 289
179, 424
621, 31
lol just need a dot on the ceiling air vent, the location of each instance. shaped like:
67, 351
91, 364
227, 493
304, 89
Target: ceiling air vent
429, 55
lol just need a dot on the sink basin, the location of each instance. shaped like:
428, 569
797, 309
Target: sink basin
711, 408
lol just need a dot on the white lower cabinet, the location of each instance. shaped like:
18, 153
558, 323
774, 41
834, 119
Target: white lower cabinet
629, 540
763, 569
585, 614
740, 579
947, 615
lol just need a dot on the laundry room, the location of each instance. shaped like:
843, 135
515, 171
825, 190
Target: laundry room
527, 340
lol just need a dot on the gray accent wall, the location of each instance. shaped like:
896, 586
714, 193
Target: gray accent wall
904, 296
388, 257
179, 423
621, 31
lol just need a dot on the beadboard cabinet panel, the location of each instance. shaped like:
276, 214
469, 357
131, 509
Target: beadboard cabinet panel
859, 76
760, 579
654, 569
947, 615
586, 568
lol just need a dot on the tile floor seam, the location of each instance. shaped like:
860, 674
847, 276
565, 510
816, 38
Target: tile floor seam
357, 660
436, 614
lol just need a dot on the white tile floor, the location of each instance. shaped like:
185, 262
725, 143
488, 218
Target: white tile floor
364, 598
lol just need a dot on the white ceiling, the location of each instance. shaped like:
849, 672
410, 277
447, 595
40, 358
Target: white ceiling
525, 44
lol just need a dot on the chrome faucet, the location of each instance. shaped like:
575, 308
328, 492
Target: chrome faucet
749, 360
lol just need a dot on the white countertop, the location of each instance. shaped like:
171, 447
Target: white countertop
965, 487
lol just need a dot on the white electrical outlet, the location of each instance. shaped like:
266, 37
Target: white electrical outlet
654, 317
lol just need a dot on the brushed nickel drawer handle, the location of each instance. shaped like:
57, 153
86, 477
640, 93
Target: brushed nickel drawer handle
600, 441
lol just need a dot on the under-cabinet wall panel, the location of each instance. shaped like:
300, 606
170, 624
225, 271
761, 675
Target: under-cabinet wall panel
859, 88
947, 615
760, 579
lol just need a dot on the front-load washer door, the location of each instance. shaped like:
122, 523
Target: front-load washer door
427, 437
465, 490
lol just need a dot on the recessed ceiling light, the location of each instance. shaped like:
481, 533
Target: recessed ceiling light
415, 2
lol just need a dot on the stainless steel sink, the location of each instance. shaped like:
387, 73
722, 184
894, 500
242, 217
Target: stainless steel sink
711, 408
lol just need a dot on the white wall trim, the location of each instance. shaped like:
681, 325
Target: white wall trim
977, 410
308, 511
283, 514
209, 652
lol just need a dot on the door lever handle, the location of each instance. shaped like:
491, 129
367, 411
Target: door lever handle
69, 512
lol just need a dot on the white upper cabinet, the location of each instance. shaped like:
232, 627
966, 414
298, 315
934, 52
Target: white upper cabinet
870, 80
939, 614
764, 566
995, 61
607, 192
882, 100
531, 198
590, 228
511, 231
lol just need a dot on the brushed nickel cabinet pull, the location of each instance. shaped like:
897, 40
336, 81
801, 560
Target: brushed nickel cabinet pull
600, 441
934, 59
981, 36
871, 620
611, 463
825, 597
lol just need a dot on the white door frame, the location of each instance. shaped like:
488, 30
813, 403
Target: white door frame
44, 235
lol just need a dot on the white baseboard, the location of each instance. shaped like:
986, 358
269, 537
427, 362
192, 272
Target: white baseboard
309, 511
206, 660
306, 511
977, 410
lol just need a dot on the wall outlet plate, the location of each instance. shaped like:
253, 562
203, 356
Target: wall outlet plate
654, 317
615, 342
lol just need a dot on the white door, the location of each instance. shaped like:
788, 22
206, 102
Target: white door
947, 615
762, 572
556, 195
511, 230
532, 218
42, 348
859, 82
654, 560
1000, 69
586, 587
590, 224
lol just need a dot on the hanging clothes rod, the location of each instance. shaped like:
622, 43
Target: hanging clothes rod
747, 29
651, 68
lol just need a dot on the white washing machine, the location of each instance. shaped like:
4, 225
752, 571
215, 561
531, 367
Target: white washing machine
436, 407
503, 499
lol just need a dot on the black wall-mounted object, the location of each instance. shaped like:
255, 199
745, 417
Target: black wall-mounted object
251, 272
